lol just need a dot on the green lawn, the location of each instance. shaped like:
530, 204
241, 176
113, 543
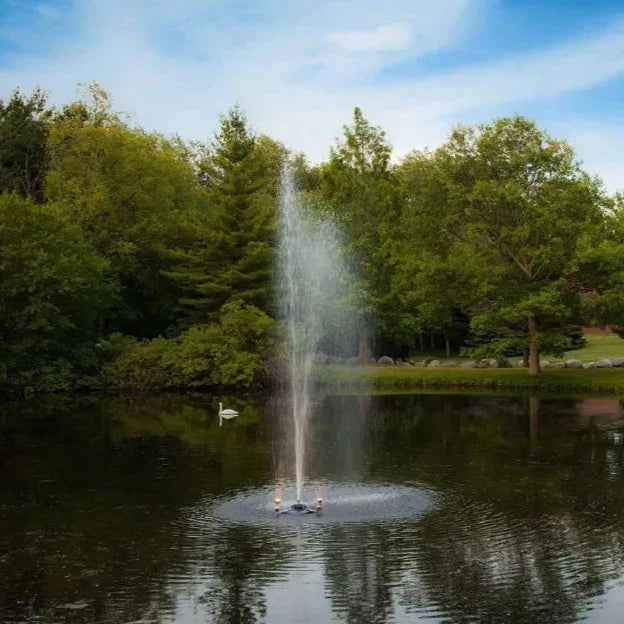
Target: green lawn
598, 347
577, 381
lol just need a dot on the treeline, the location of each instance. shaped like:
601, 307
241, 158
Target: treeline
133, 261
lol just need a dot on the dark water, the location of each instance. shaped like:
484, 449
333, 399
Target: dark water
109, 512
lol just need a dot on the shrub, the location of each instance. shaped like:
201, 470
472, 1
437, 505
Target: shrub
231, 352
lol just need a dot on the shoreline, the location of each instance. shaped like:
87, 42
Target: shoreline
609, 381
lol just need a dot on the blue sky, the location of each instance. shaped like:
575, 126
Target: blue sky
298, 68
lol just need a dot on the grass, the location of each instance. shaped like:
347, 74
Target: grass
392, 378
387, 378
598, 347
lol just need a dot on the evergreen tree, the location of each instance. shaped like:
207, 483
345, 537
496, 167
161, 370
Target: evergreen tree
233, 257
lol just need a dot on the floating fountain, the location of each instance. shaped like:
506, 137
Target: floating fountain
313, 296
317, 307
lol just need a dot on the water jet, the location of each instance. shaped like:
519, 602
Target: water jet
314, 287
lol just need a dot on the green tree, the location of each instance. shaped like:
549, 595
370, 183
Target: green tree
24, 125
518, 211
602, 266
233, 256
134, 195
358, 183
231, 352
55, 292
426, 284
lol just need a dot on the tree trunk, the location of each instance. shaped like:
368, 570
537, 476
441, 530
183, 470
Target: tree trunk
534, 364
525, 357
447, 344
365, 351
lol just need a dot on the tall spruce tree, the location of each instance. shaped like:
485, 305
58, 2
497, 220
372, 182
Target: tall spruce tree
233, 257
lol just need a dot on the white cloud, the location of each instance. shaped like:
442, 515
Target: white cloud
177, 67
381, 39
600, 145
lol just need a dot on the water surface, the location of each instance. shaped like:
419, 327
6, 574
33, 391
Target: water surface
109, 512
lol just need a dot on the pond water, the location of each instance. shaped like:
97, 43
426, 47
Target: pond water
444, 508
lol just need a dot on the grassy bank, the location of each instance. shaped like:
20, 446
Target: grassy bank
592, 381
598, 347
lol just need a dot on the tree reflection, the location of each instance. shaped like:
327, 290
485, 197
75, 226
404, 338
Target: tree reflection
105, 510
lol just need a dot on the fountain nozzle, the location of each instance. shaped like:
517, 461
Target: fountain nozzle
277, 502
319, 504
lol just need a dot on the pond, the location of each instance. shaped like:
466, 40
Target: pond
462, 509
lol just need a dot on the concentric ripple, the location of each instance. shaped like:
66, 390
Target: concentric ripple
342, 503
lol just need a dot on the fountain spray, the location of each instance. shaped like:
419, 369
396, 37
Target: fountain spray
313, 289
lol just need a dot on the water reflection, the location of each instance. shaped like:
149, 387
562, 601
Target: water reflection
105, 512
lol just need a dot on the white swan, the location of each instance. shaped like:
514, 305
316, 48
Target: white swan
225, 413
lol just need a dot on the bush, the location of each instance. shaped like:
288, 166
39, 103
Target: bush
55, 293
232, 352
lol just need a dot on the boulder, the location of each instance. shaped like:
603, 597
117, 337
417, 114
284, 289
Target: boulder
520, 364
450, 364
574, 364
401, 363
618, 362
434, 364
469, 364
545, 364
558, 365
335, 359
353, 361
421, 364
385, 359
604, 364
589, 365
320, 358
488, 363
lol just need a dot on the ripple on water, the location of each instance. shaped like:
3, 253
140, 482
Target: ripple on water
342, 503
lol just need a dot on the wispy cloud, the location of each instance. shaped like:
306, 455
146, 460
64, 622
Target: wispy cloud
176, 66
381, 39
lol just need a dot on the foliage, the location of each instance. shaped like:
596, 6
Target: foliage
517, 211
233, 256
133, 194
55, 291
24, 125
231, 352
358, 183
162, 253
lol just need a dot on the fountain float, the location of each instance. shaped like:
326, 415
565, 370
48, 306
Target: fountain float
316, 305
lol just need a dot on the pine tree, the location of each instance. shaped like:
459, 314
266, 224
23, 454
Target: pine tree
233, 258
